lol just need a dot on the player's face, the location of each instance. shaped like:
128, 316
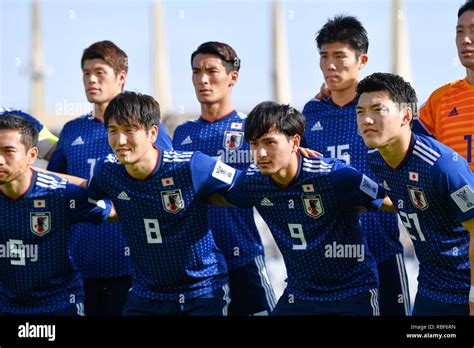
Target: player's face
380, 120
211, 81
465, 39
14, 158
340, 66
101, 84
273, 152
131, 145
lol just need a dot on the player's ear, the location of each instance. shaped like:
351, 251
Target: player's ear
296, 142
234, 76
407, 115
32, 155
363, 59
153, 133
122, 76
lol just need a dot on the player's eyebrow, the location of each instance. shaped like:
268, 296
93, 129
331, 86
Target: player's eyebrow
8, 147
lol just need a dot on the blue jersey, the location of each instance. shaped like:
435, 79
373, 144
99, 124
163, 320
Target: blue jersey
432, 189
234, 229
164, 219
36, 272
98, 251
332, 130
314, 221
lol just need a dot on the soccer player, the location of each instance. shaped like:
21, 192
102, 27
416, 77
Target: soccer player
312, 208
46, 140
449, 112
432, 188
37, 210
100, 252
332, 129
160, 198
218, 132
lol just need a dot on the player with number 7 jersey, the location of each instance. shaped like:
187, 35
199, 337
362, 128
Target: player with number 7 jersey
160, 198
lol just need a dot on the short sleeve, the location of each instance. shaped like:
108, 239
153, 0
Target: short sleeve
85, 209
454, 181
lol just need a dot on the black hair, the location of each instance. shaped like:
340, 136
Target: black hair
400, 91
222, 50
133, 109
269, 116
345, 29
28, 131
468, 6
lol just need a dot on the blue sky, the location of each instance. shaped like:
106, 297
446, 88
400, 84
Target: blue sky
70, 26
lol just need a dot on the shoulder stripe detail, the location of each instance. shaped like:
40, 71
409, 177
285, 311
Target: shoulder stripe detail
317, 164
425, 153
372, 150
423, 157
50, 179
427, 148
320, 170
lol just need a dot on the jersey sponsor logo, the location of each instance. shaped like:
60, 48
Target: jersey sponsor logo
172, 201
223, 172
77, 141
40, 222
266, 202
413, 176
453, 112
308, 188
236, 125
317, 127
39, 203
187, 141
418, 197
167, 181
313, 205
464, 198
368, 186
123, 196
233, 140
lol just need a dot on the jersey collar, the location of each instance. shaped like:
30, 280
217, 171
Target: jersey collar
407, 153
28, 190
220, 118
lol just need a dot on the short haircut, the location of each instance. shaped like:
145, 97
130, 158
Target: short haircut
468, 6
28, 131
269, 116
222, 50
400, 91
344, 29
134, 110
109, 52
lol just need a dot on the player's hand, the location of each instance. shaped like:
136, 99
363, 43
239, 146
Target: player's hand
305, 152
471, 308
324, 92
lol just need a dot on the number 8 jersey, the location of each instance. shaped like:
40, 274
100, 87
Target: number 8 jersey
432, 189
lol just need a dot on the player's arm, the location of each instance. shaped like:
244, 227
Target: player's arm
71, 178
356, 189
46, 143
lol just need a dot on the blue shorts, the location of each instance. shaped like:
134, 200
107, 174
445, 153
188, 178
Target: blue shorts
394, 293
426, 306
365, 303
215, 303
251, 291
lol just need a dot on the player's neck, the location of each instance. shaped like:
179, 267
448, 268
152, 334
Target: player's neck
343, 97
395, 150
145, 166
470, 76
286, 175
212, 112
99, 110
19, 186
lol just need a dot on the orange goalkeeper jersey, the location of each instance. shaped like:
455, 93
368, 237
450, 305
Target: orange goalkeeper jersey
449, 116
